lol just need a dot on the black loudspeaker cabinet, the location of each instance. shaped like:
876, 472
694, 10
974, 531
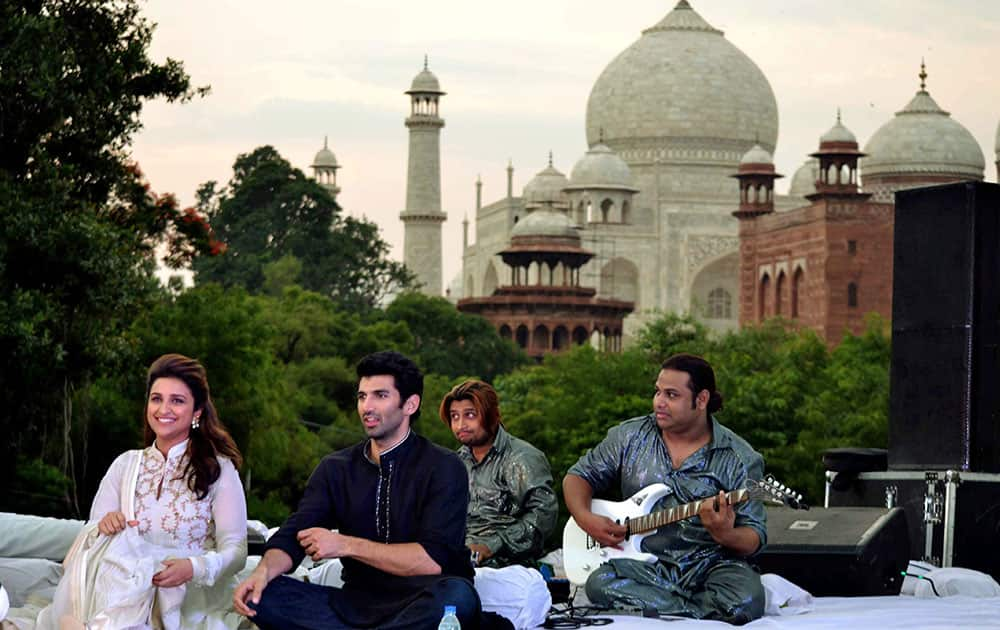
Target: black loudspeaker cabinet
945, 377
953, 516
837, 551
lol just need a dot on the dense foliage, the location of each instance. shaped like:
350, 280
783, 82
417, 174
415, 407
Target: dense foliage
78, 225
270, 212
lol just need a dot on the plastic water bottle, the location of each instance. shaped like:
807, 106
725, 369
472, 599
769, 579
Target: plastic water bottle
449, 621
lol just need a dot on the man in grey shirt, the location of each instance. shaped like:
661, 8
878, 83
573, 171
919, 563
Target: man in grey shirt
701, 571
512, 506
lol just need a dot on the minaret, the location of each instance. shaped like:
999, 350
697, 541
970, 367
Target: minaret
423, 217
324, 168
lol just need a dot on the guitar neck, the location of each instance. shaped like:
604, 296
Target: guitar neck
655, 520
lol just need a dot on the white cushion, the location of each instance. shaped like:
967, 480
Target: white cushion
957, 581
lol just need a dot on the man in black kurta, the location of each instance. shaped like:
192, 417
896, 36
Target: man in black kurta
398, 504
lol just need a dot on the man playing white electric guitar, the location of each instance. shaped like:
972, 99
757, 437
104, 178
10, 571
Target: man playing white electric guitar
701, 571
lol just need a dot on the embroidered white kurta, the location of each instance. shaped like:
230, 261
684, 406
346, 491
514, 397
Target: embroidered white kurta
212, 532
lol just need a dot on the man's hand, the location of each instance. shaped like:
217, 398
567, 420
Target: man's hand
483, 552
273, 563
114, 522
250, 590
603, 529
718, 517
174, 573
320, 543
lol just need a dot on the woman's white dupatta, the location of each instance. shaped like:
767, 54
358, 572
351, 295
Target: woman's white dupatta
107, 582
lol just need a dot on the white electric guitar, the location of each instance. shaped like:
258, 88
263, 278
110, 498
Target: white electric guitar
582, 554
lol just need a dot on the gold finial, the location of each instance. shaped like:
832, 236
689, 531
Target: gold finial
510, 164
923, 76
550, 158
325, 139
838, 115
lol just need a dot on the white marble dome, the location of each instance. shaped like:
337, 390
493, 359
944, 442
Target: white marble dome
546, 188
545, 223
923, 138
757, 155
804, 180
600, 167
682, 85
325, 157
425, 82
838, 133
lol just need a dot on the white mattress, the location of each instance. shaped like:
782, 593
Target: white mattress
857, 613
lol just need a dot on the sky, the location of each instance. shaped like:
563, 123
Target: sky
517, 75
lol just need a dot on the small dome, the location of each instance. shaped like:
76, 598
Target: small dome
757, 155
600, 167
804, 179
923, 138
546, 188
838, 133
545, 223
325, 157
425, 82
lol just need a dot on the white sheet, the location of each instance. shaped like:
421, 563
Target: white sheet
856, 613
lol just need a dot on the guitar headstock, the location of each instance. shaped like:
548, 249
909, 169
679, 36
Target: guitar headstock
771, 491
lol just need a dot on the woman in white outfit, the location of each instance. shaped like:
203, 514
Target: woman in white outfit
182, 494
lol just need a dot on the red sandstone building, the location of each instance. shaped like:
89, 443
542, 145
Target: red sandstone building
544, 309
825, 265
828, 264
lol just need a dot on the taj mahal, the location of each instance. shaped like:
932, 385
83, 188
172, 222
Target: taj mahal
645, 217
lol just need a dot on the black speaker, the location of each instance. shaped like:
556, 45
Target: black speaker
838, 551
945, 376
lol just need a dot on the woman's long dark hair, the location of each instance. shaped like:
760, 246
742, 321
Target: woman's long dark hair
210, 439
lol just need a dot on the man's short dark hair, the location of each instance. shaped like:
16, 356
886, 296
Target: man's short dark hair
409, 380
700, 376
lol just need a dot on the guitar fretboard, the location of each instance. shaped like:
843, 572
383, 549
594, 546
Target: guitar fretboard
655, 520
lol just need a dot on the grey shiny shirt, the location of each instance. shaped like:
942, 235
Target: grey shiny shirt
633, 456
512, 506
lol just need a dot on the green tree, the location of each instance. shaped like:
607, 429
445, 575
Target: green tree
449, 342
270, 211
77, 223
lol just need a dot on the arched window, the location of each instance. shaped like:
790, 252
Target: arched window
560, 338
796, 288
763, 292
522, 336
852, 295
506, 332
626, 212
606, 206
540, 338
580, 335
720, 304
779, 293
